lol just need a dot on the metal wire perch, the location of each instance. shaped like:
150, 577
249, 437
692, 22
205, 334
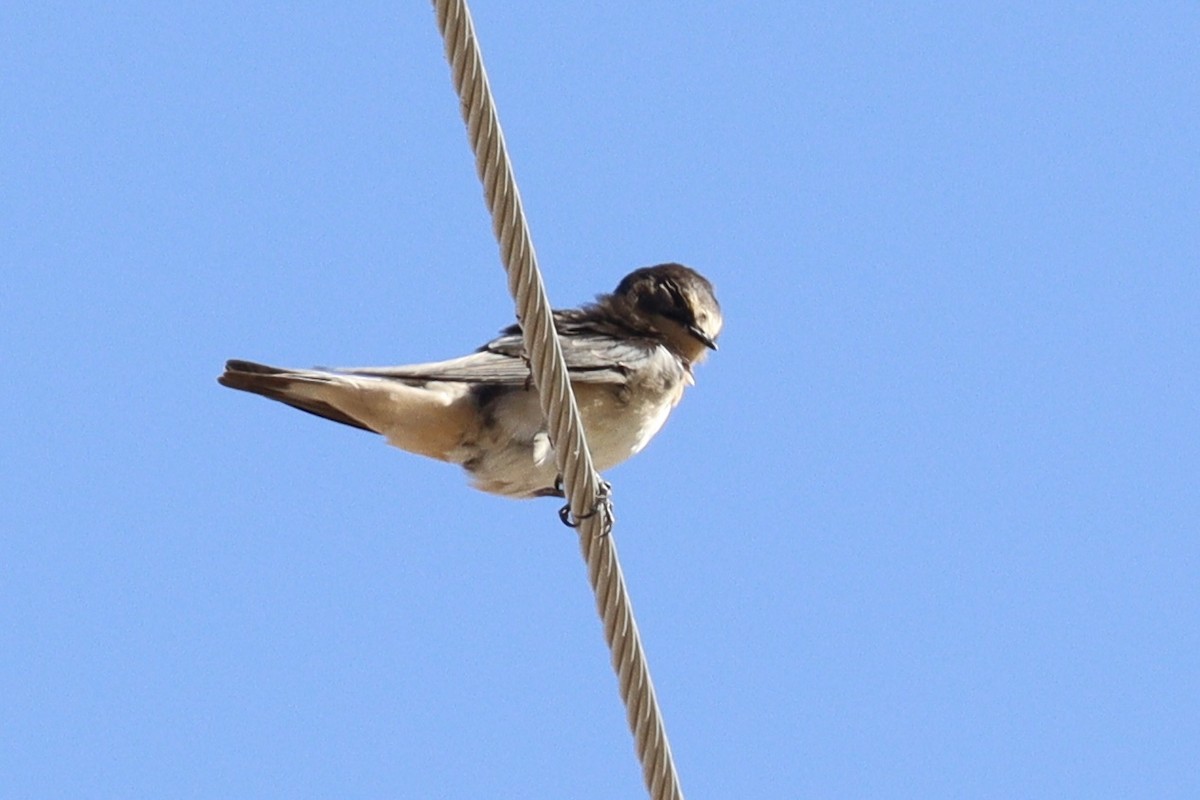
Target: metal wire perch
589, 505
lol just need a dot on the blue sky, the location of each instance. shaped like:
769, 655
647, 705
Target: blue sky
926, 527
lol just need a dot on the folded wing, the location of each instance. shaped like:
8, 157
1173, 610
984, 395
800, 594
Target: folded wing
590, 358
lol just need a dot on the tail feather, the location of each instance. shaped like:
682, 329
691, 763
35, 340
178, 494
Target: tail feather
281, 384
431, 419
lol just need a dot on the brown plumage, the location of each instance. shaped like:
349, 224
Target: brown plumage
629, 356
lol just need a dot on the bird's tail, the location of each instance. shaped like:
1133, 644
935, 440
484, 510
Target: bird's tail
413, 416
306, 390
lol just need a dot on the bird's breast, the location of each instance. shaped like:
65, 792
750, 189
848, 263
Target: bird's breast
509, 452
620, 421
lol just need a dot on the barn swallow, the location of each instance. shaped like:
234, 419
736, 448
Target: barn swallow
629, 355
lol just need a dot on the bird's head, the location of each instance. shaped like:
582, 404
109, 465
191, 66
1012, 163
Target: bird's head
677, 302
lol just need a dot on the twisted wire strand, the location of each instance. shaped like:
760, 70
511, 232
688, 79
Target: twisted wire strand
586, 493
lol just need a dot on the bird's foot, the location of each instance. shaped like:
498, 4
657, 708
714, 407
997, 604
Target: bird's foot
603, 506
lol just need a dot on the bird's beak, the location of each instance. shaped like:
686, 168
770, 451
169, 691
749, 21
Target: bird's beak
702, 337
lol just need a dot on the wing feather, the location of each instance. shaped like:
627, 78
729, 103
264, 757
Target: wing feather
591, 358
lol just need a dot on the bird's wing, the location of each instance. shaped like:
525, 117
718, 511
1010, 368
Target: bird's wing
590, 357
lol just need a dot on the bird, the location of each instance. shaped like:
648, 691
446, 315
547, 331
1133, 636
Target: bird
629, 356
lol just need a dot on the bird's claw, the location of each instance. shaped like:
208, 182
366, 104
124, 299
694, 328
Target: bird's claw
602, 506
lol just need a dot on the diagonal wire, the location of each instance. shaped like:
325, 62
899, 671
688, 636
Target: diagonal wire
587, 494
